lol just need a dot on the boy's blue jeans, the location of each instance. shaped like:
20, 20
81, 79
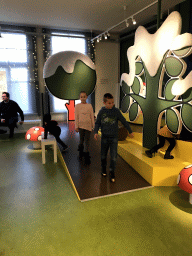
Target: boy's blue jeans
106, 143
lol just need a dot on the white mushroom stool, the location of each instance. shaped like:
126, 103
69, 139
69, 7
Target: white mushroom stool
49, 141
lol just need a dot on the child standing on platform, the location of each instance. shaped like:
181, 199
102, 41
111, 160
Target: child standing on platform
107, 119
84, 123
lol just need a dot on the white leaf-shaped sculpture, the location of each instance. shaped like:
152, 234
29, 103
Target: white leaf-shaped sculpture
152, 47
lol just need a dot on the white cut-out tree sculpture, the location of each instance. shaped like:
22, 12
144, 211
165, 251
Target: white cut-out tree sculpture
151, 58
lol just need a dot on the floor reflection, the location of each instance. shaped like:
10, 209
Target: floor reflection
87, 179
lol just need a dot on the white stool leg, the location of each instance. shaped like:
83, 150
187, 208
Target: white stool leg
55, 152
190, 198
43, 153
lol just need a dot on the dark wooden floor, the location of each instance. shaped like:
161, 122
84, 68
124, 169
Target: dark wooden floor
87, 179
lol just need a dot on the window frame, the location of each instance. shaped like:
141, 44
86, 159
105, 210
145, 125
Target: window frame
32, 87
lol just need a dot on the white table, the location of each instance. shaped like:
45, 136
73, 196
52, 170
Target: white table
49, 141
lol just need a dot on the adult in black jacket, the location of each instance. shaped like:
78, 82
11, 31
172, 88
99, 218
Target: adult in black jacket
9, 110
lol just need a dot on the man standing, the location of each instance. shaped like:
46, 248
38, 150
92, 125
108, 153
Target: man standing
8, 113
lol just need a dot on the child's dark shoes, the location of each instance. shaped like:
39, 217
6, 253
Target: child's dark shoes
112, 176
103, 171
148, 153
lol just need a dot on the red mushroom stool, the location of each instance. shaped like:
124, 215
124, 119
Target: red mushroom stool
49, 141
34, 134
184, 181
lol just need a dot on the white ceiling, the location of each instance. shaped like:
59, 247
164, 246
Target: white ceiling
87, 15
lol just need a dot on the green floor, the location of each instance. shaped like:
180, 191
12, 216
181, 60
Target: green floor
40, 214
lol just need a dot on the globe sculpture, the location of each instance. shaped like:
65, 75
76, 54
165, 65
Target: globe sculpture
68, 73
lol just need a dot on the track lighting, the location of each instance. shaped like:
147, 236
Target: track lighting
106, 34
127, 23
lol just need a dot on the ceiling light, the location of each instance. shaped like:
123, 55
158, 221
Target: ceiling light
105, 36
134, 21
98, 40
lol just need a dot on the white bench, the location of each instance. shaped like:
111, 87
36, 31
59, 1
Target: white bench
49, 141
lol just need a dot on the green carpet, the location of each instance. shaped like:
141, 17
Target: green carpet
40, 214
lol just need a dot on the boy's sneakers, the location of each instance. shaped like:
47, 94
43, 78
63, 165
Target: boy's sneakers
112, 176
168, 155
103, 171
148, 153
64, 148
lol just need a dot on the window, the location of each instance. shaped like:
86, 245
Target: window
16, 70
61, 43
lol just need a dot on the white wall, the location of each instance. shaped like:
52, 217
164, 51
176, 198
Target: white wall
107, 68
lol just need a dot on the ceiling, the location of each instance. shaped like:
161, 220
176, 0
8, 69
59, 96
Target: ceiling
84, 15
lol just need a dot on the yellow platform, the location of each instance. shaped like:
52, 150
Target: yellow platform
157, 171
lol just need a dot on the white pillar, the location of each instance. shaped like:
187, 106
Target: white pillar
190, 198
40, 58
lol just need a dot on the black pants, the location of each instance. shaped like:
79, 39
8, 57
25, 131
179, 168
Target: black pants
56, 133
106, 144
84, 137
162, 143
11, 124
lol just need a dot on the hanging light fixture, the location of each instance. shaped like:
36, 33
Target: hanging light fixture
105, 36
134, 21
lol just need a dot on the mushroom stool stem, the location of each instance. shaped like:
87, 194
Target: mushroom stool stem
190, 198
36, 144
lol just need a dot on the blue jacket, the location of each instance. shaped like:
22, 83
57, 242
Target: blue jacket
108, 119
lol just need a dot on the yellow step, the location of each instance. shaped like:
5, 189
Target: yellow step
157, 170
